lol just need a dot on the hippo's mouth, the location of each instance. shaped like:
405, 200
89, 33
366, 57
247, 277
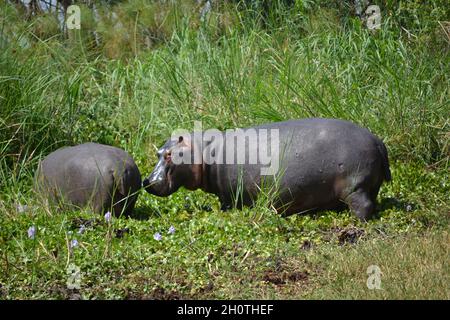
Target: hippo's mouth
161, 188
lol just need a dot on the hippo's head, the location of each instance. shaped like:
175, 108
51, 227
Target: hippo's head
175, 168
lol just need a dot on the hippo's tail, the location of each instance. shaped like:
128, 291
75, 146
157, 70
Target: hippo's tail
385, 160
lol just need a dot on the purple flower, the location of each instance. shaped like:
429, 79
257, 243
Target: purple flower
31, 232
157, 236
108, 217
74, 243
171, 230
82, 229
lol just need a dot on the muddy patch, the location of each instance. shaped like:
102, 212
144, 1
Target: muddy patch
2, 291
307, 245
164, 294
350, 235
64, 293
282, 278
158, 293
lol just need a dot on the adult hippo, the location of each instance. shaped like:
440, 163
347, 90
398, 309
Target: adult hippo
320, 164
93, 175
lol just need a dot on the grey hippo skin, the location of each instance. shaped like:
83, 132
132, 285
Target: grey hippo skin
90, 175
324, 163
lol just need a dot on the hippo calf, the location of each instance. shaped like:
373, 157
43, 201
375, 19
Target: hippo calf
101, 177
322, 164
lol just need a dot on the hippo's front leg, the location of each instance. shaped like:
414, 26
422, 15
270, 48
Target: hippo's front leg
226, 203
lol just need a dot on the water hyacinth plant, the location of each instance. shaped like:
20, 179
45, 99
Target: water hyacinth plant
129, 79
108, 217
157, 236
82, 229
31, 232
73, 243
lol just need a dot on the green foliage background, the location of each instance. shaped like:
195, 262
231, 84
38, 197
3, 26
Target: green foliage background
132, 78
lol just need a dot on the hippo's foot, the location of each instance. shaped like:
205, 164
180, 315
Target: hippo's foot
361, 204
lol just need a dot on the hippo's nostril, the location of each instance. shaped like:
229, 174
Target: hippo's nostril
145, 183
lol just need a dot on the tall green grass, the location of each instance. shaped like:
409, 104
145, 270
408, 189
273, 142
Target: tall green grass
56, 92
243, 65
259, 68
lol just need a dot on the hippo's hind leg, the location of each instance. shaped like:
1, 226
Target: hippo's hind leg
361, 203
123, 205
128, 205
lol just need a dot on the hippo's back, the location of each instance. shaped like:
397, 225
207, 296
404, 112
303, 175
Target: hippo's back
324, 160
322, 128
317, 142
89, 173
